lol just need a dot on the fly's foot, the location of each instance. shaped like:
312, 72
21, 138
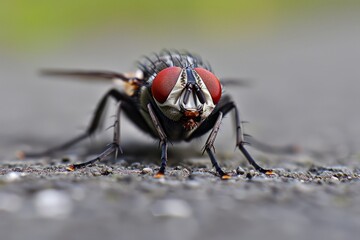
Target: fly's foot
71, 168
159, 175
225, 176
74, 167
269, 172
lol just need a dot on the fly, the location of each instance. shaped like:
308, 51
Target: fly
173, 96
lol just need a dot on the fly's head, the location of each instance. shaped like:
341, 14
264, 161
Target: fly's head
188, 94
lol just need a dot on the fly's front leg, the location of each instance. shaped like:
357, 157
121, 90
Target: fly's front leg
209, 145
161, 172
240, 144
163, 142
116, 137
111, 148
213, 122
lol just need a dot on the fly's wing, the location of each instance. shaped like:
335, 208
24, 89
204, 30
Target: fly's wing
129, 81
241, 82
99, 75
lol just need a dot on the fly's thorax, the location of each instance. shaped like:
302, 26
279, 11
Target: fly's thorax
187, 95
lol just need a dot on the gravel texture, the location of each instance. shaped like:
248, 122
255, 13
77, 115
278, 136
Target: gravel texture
41, 199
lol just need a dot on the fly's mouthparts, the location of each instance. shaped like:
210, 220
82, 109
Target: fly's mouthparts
189, 124
191, 114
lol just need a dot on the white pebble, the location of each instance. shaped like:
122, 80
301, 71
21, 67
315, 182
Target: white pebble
146, 170
53, 204
334, 178
12, 176
171, 208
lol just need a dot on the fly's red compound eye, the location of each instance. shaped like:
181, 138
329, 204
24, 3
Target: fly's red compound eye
212, 83
164, 82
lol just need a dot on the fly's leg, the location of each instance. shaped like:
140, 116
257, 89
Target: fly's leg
161, 171
93, 126
113, 147
214, 162
163, 142
209, 145
225, 106
240, 143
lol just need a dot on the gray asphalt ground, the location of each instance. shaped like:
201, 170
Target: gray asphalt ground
304, 90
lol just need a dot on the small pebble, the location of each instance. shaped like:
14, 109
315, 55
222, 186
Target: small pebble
186, 171
106, 170
12, 176
334, 180
146, 170
52, 203
250, 174
178, 168
240, 170
95, 172
176, 173
135, 165
171, 208
201, 174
